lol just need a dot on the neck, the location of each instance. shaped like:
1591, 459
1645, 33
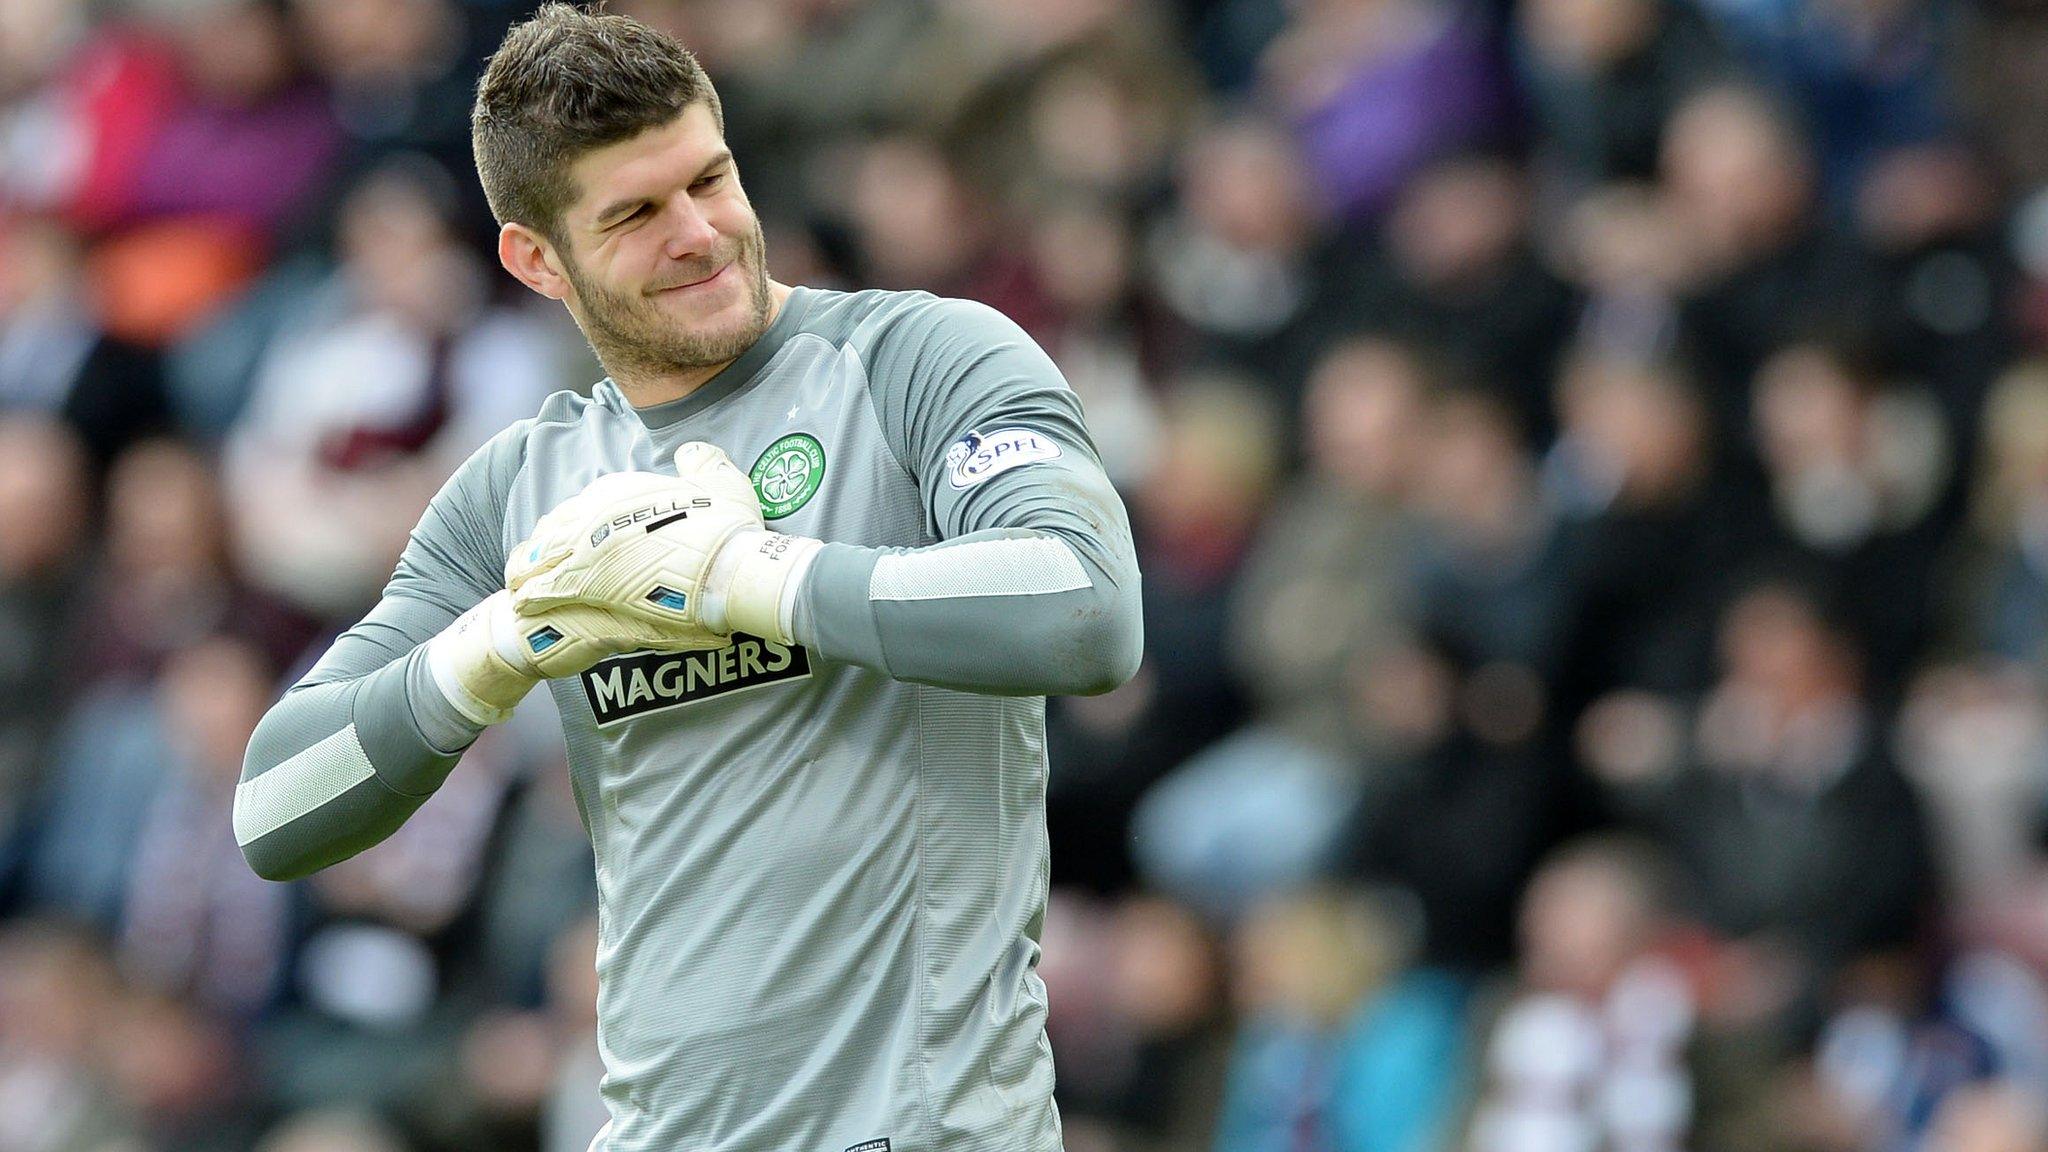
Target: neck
645, 387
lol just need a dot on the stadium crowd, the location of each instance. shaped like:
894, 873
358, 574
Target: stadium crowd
1589, 461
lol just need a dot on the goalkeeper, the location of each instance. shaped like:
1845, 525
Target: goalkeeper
799, 574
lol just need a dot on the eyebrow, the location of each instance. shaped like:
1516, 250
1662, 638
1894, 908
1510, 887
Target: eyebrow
627, 204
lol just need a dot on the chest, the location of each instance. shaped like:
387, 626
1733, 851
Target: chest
803, 430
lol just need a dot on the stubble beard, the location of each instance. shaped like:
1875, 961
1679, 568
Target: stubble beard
633, 338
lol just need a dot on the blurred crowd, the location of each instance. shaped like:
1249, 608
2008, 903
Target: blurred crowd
1589, 461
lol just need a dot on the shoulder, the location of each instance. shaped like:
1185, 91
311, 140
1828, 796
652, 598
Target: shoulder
493, 466
879, 323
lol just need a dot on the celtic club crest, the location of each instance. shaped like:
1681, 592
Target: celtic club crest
788, 473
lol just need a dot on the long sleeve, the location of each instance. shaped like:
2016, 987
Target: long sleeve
1031, 587
358, 744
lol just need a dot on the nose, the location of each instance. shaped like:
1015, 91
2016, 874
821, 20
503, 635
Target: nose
693, 234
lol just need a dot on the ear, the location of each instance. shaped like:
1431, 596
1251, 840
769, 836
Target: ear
531, 260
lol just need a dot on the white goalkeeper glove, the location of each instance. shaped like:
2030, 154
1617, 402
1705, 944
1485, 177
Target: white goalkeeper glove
493, 654
687, 555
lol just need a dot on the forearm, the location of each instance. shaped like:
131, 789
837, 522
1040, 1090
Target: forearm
347, 755
1007, 611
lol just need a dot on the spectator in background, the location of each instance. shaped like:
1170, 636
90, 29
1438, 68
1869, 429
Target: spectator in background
1794, 833
1908, 1032
1460, 802
1376, 88
199, 145
1856, 468
1104, 332
249, 136
918, 223
1868, 75
1454, 271
396, 77
135, 830
395, 369
1101, 118
83, 98
1657, 537
1593, 1047
1325, 587
1341, 1046
105, 766
1603, 77
164, 576
1322, 595
797, 75
175, 1069
1626, 253
1973, 738
55, 992
1135, 994
1994, 1117
56, 356
193, 925
38, 38
387, 953
1928, 215
1240, 260
1999, 569
1999, 95
969, 51
1193, 518
1768, 268
44, 520
1496, 572
523, 1069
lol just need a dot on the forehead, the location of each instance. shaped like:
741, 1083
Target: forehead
653, 161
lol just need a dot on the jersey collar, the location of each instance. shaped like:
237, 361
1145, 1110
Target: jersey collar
732, 378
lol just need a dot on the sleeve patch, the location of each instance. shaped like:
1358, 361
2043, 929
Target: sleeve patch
975, 457
319, 775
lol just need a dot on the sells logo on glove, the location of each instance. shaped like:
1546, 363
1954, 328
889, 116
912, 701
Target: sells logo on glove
670, 511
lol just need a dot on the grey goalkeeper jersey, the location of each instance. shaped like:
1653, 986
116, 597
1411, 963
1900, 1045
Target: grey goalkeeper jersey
821, 866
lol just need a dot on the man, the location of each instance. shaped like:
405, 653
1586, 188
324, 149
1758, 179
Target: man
810, 759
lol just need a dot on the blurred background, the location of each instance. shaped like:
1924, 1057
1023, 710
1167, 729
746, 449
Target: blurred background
1589, 461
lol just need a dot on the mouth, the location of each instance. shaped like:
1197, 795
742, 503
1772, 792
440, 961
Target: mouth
706, 282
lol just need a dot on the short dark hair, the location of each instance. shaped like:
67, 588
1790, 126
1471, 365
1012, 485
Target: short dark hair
563, 83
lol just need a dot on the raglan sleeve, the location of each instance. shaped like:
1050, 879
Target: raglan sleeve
1032, 587
365, 737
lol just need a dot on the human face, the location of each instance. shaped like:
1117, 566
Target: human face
664, 257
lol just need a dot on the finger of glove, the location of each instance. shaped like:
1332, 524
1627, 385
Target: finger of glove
698, 456
632, 563
557, 585
553, 540
708, 466
599, 500
590, 634
571, 525
581, 638
535, 555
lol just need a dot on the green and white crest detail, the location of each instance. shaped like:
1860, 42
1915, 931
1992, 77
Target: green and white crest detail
788, 473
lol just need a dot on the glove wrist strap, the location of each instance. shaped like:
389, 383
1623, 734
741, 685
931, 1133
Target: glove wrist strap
470, 669
756, 577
